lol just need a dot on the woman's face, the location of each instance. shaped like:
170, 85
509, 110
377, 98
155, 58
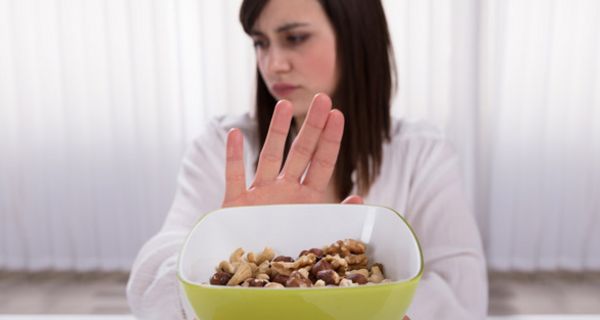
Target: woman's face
296, 51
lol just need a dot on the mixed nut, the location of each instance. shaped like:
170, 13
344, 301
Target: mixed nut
343, 263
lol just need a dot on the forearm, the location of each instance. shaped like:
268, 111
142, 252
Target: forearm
153, 291
457, 292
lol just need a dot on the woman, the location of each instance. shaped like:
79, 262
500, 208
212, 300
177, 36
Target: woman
341, 49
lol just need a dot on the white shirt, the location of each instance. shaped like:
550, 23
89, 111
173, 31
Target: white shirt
419, 177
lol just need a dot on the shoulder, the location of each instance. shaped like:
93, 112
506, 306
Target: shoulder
404, 130
418, 140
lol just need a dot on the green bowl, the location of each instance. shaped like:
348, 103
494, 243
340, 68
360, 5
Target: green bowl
289, 229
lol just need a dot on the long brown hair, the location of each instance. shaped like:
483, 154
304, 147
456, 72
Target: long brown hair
363, 93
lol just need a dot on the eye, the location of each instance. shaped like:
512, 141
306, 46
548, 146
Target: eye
295, 39
260, 43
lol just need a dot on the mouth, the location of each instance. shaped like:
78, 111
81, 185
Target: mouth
282, 90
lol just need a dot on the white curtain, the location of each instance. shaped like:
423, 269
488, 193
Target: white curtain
99, 99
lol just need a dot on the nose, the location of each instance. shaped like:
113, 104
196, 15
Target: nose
277, 61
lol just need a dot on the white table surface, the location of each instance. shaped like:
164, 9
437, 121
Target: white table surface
127, 317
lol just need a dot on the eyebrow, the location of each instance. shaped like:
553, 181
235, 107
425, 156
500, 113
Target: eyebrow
283, 28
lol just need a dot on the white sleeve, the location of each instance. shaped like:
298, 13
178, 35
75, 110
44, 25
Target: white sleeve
153, 290
454, 283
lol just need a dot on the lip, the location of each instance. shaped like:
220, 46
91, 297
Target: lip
283, 89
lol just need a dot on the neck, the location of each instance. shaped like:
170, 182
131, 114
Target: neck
299, 120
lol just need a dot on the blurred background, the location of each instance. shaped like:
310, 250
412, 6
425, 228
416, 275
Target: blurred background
100, 98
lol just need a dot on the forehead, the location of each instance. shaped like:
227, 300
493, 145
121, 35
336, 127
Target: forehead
280, 12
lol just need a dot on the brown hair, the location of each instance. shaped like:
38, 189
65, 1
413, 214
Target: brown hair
363, 93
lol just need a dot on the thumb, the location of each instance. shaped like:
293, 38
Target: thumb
353, 199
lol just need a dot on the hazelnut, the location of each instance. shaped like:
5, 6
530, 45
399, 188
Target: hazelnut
319, 266
357, 278
296, 282
283, 259
252, 282
280, 278
220, 278
316, 251
328, 276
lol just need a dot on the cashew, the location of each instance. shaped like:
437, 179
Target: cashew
303, 272
274, 285
243, 272
376, 275
265, 267
251, 257
236, 256
266, 255
225, 266
263, 276
319, 283
347, 283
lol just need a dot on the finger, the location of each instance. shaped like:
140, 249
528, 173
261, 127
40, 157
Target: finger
323, 162
305, 143
353, 199
235, 178
271, 155
406, 318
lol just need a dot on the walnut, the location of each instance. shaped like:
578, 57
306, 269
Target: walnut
360, 259
284, 268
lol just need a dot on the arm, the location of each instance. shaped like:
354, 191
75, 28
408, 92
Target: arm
454, 284
153, 290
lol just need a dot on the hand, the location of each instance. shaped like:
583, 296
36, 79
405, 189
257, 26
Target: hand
316, 147
406, 318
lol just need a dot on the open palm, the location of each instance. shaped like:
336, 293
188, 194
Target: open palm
308, 168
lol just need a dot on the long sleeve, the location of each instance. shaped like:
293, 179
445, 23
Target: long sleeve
454, 284
153, 291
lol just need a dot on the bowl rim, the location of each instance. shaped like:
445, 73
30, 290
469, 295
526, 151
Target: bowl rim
418, 276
